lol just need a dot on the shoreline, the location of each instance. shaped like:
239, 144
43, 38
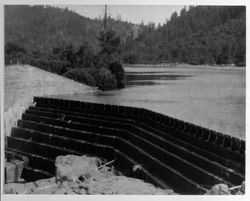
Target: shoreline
165, 65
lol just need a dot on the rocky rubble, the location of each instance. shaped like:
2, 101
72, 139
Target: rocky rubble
223, 189
85, 175
91, 176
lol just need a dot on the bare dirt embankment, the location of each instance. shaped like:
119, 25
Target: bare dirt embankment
23, 82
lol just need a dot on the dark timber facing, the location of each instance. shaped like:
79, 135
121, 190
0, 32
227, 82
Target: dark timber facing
171, 153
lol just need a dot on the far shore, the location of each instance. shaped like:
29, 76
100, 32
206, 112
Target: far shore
181, 65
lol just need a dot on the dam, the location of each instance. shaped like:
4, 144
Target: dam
169, 152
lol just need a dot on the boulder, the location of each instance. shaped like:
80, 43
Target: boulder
75, 168
219, 189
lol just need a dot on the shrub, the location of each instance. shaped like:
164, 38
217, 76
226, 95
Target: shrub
80, 75
12, 48
14, 53
117, 69
40, 64
130, 58
26, 59
58, 67
104, 79
14, 59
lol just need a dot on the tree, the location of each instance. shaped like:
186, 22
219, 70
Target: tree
68, 55
109, 47
84, 56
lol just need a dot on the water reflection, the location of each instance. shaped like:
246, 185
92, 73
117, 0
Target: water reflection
139, 83
148, 78
151, 72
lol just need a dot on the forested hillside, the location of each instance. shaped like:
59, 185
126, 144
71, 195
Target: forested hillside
40, 29
199, 35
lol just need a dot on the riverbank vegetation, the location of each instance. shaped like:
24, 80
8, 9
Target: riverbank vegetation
61, 40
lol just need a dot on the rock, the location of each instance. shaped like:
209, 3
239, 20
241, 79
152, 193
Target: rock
219, 189
45, 182
49, 189
137, 167
80, 190
18, 188
73, 168
239, 193
124, 186
131, 186
65, 191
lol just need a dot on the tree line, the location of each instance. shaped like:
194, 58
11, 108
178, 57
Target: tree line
198, 35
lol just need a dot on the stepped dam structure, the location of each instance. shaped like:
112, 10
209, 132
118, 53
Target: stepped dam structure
143, 144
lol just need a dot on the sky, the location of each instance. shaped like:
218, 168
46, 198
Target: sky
131, 13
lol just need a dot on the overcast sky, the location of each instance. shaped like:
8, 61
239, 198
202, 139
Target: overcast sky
131, 13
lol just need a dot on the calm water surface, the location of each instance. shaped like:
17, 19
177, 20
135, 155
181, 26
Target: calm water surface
211, 97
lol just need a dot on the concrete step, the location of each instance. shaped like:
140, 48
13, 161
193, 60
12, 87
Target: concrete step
34, 169
131, 150
82, 114
36, 161
143, 115
122, 161
31, 174
140, 156
226, 157
41, 149
153, 144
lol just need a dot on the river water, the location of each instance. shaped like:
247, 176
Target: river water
211, 97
